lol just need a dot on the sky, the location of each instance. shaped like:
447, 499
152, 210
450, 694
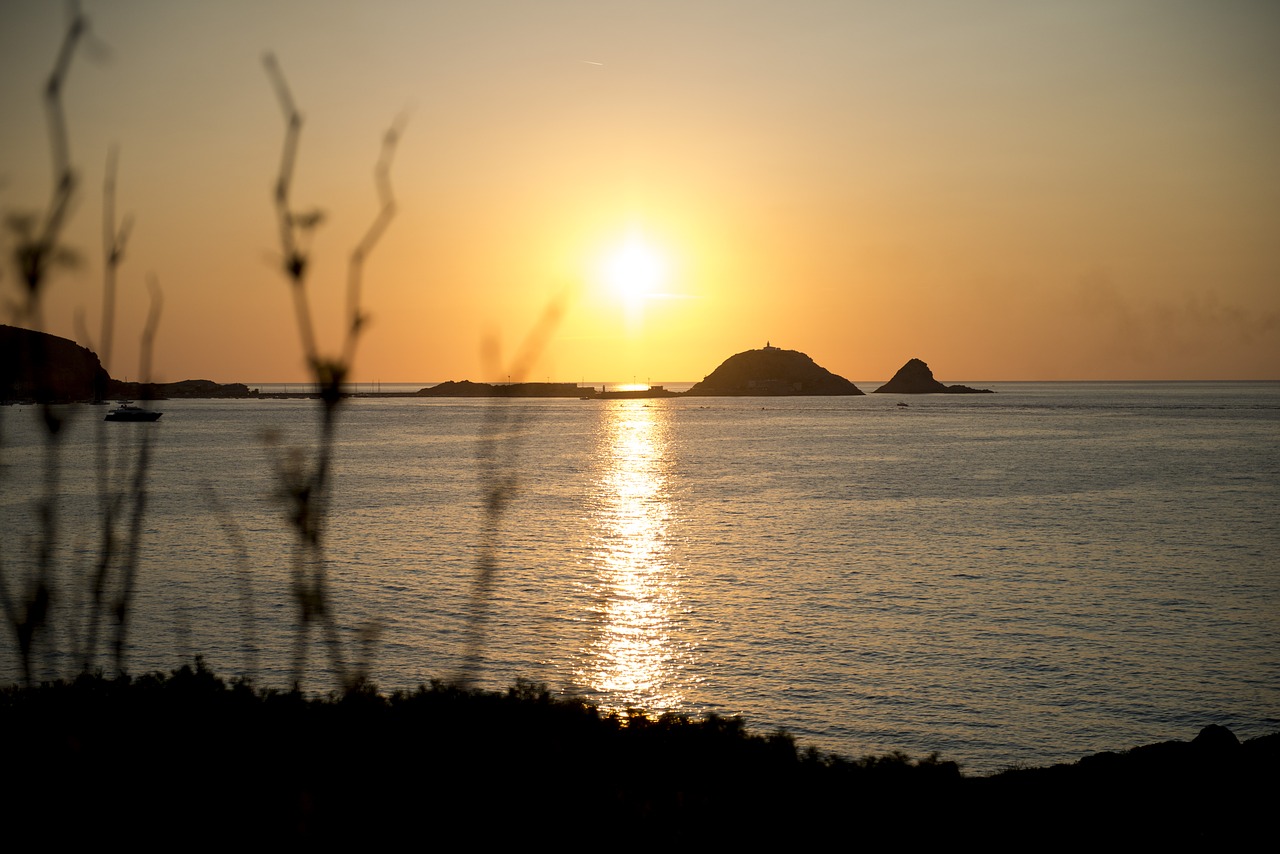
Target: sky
1006, 189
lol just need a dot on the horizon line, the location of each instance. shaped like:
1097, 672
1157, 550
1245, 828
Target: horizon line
585, 383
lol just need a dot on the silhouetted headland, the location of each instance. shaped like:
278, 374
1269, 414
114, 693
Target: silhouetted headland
915, 378
771, 371
39, 366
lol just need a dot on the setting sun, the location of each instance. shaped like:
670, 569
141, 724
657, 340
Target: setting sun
634, 269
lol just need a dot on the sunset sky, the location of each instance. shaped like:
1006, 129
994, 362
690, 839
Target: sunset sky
1005, 189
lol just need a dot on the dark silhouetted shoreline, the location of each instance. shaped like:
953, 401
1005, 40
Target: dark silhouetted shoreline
177, 757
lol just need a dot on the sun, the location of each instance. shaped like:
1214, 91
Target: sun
634, 269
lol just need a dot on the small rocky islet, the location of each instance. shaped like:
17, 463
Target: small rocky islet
915, 378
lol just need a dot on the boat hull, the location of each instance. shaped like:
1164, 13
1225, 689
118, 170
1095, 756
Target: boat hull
127, 412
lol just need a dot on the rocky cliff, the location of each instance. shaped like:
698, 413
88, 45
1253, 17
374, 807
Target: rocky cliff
771, 371
39, 366
915, 378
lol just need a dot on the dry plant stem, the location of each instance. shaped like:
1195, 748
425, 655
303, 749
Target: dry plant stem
109, 498
137, 493
387, 211
306, 488
113, 245
310, 587
40, 252
243, 574
28, 613
292, 225
497, 453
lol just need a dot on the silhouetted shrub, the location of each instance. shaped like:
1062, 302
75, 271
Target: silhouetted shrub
179, 750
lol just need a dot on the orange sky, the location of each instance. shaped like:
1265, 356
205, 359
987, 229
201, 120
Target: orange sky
1007, 190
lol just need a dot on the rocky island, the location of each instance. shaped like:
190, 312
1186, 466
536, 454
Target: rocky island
915, 378
771, 371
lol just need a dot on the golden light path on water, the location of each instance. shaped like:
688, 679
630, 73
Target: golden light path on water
633, 661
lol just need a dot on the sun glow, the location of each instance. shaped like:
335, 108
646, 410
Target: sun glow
634, 270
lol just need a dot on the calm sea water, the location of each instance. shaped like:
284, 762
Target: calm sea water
1023, 577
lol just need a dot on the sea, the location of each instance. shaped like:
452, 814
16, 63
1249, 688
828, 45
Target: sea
1011, 579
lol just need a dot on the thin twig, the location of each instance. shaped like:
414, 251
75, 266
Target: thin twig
114, 239
386, 212
232, 530
138, 489
113, 245
36, 255
36, 252
498, 450
295, 260
305, 489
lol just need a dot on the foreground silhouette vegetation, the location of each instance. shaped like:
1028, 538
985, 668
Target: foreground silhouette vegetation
181, 751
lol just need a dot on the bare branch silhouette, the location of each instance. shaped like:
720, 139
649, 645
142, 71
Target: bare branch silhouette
355, 270
498, 450
113, 244
37, 251
110, 500
244, 574
305, 486
138, 489
36, 255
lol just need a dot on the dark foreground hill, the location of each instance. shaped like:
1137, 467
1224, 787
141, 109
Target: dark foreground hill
175, 760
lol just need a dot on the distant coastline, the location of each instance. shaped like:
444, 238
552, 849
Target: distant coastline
386, 390
37, 366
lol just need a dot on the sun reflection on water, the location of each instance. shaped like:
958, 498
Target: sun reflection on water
633, 661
